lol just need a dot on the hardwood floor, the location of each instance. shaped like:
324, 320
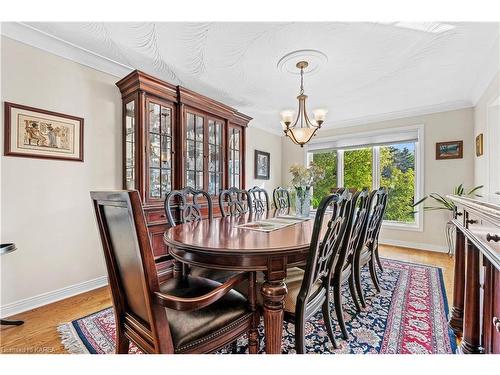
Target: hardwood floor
39, 332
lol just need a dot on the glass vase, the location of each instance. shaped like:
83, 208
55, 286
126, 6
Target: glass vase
303, 201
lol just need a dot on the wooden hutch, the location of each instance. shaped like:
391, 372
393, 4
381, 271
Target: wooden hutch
172, 138
475, 315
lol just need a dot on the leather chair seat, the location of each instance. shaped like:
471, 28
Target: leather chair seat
189, 328
293, 281
217, 275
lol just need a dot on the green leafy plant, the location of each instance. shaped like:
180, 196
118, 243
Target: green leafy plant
443, 203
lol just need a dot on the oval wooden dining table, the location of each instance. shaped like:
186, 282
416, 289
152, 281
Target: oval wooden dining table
219, 244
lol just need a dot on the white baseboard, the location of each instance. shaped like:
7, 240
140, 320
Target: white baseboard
415, 245
53, 296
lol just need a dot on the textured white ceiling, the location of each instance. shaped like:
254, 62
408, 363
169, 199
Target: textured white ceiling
373, 69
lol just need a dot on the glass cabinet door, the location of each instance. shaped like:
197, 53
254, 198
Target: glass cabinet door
195, 161
160, 150
234, 157
130, 138
214, 156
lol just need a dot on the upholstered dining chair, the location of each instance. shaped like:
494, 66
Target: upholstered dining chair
353, 239
281, 198
258, 200
184, 315
366, 253
308, 288
187, 205
234, 202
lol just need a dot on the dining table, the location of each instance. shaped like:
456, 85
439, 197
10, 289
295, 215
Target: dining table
221, 243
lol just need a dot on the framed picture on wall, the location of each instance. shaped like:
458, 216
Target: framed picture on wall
262, 165
37, 133
449, 150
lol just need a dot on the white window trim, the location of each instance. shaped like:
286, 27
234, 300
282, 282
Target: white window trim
329, 142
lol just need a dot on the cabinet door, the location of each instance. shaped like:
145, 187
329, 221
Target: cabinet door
215, 156
159, 166
235, 156
195, 148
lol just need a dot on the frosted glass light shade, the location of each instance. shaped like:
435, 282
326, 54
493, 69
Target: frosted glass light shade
287, 116
319, 115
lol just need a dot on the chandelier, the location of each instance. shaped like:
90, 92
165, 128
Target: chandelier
303, 129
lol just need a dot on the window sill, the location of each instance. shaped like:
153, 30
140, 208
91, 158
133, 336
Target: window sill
393, 225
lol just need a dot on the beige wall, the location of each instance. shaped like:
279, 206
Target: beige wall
486, 119
261, 140
45, 204
439, 175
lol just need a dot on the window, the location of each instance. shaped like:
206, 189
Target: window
327, 161
397, 174
373, 160
358, 168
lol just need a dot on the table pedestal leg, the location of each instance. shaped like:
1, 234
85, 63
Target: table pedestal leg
273, 293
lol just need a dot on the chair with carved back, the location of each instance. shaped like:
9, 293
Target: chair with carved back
184, 315
236, 201
258, 200
187, 205
366, 253
281, 198
308, 287
355, 232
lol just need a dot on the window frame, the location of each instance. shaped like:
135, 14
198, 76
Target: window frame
323, 144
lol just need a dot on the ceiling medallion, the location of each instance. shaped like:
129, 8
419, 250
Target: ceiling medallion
302, 129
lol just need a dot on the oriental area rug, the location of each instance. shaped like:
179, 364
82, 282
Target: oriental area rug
408, 316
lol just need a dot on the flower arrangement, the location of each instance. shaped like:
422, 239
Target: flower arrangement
303, 178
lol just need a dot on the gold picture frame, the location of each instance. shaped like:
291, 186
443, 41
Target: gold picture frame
479, 144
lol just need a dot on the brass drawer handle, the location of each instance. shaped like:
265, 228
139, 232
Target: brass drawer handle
496, 323
472, 221
494, 237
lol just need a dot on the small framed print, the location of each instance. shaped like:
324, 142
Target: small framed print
449, 150
262, 165
37, 133
479, 145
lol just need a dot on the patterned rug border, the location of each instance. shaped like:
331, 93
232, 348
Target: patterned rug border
74, 340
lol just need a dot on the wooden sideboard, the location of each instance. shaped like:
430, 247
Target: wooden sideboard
172, 138
475, 315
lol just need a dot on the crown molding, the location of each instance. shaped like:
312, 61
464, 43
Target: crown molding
39, 39
405, 113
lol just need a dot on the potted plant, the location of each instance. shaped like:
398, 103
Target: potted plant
302, 180
443, 203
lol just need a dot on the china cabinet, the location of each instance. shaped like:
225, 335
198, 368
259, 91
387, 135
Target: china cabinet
172, 138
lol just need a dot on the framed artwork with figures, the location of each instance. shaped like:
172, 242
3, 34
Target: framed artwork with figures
262, 165
37, 133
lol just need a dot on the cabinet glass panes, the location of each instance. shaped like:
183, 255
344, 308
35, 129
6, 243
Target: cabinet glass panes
234, 157
214, 156
194, 151
130, 145
160, 150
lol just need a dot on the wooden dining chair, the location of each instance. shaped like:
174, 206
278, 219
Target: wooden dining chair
309, 289
187, 205
258, 200
184, 315
354, 238
236, 200
281, 198
366, 253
